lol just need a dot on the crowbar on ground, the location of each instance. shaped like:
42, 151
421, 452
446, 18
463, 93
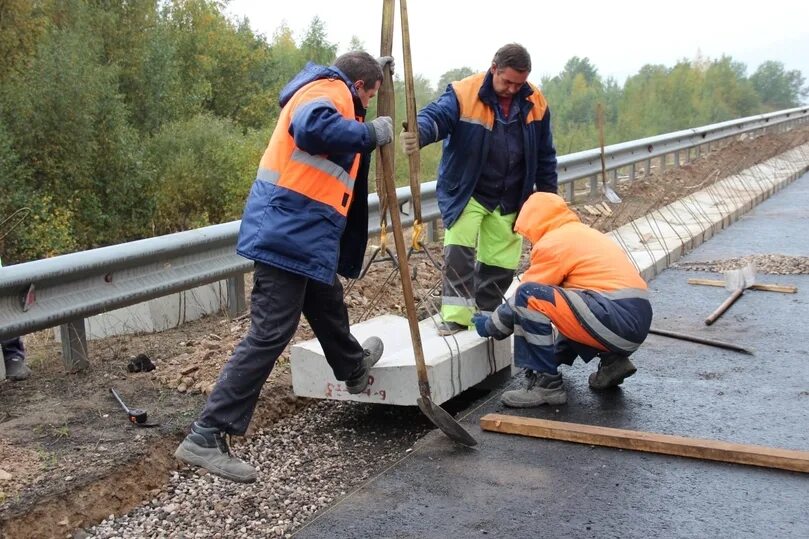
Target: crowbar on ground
736, 281
700, 340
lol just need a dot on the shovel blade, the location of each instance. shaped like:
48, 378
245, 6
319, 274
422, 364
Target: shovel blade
611, 195
445, 422
740, 278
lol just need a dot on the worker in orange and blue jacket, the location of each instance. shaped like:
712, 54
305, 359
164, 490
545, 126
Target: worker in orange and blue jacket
581, 283
498, 149
305, 221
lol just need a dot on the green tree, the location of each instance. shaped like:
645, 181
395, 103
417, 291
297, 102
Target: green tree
356, 44
642, 109
777, 87
315, 47
581, 67
726, 92
22, 23
202, 171
572, 97
70, 127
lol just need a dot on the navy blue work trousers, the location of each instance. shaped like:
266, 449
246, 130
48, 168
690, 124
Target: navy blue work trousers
13, 348
277, 301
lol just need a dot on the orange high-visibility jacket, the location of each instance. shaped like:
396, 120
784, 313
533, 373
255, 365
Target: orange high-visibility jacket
597, 280
307, 211
463, 118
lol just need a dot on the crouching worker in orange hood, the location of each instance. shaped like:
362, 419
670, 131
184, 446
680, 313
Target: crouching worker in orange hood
581, 283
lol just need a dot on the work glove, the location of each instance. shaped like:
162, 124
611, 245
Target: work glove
381, 130
409, 142
386, 60
480, 319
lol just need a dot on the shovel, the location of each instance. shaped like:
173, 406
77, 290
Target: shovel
440, 417
736, 281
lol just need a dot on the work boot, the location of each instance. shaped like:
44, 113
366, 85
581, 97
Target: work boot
540, 388
445, 329
371, 352
612, 370
16, 369
206, 447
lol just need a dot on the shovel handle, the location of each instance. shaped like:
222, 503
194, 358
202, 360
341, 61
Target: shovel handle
724, 307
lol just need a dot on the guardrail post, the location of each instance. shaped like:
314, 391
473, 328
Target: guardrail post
632, 172
677, 159
569, 191
662, 163
593, 185
74, 345
648, 167
432, 231
236, 299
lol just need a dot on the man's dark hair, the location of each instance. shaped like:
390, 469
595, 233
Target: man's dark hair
514, 56
360, 66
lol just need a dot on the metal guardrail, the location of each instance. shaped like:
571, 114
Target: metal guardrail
64, 290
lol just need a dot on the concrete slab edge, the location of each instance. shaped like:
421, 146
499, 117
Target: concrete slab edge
656, 240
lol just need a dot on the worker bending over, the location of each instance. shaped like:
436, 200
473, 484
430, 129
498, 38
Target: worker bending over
583, 285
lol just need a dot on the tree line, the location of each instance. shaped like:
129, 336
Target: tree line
122, 120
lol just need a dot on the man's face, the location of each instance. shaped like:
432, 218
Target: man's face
507, 82
366, 93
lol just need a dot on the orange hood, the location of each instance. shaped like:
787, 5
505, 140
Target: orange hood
542, 213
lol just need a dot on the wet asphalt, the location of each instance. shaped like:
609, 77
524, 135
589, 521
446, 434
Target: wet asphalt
513, 486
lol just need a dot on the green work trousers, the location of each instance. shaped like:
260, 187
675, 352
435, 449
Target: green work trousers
481, 253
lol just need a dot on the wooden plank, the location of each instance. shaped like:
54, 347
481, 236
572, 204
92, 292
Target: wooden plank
754, 455
783, 288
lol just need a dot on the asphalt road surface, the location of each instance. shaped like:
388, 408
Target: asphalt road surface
513, 486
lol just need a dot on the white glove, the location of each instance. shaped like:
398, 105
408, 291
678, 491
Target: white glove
381, 129
385, 60
409, 142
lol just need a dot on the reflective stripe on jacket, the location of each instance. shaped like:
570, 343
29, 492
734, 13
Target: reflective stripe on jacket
307, 211
463, 117
602, 289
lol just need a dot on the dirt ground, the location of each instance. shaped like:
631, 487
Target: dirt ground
68, 457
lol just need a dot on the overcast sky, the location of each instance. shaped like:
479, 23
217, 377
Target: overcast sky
619, 36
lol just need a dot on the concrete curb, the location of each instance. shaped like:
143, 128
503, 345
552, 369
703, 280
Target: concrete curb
657, 240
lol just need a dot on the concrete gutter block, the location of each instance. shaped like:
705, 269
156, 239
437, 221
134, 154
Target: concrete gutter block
157, 314
453, 364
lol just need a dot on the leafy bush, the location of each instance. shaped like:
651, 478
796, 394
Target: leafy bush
201, 170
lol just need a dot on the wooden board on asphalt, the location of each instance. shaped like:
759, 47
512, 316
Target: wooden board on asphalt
783, 288
754, 455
